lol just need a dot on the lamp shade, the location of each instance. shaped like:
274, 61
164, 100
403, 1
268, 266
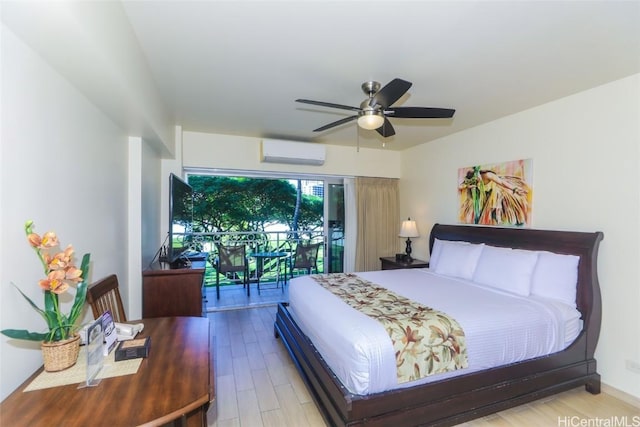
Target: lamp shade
409, 229
370, 120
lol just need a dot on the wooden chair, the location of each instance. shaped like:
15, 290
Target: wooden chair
305, 257
232, 259
104, 295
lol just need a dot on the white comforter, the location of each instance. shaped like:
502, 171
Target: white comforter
500, 327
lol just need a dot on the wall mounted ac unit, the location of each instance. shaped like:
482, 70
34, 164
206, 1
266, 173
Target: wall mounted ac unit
297, 153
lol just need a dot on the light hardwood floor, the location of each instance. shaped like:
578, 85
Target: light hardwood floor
258, 385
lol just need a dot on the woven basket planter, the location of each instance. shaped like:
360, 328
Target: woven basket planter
60, 355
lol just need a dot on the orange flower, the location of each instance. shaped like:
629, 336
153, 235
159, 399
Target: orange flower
68, 252
34, 240
61, 274
61, 260
73, 274
59, 267
49, 240
55, 282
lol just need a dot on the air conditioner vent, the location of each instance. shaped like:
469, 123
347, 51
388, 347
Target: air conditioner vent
291, 152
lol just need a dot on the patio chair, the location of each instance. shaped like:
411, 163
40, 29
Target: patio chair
104, 295
305, 257
232, 259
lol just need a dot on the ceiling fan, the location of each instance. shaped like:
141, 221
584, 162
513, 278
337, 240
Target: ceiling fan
373, 111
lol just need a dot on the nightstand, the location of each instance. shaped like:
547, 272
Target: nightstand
390, 263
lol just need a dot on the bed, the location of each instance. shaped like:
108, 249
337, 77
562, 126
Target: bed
467, 394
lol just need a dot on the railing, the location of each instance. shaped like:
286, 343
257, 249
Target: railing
266, 241
256, 241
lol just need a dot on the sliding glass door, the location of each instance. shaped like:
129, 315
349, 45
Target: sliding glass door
300, 207
334, 225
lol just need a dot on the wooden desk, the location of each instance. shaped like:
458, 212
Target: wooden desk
174, 383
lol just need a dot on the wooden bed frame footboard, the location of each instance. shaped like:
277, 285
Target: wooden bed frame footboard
462, 398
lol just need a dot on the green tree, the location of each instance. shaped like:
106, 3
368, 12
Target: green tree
311, 212
224, 204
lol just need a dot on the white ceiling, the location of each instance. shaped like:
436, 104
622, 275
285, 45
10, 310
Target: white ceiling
236, 67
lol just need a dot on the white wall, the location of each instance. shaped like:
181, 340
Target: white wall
144, 212
204, 150
64, 165
151, 207
586, 164
92, 45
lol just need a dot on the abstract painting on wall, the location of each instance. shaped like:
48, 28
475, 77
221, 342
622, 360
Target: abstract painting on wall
496, 194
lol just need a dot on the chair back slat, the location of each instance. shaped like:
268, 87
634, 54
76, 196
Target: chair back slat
104, 295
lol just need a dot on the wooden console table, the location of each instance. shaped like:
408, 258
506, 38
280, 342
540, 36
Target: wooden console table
173, 292
171, 385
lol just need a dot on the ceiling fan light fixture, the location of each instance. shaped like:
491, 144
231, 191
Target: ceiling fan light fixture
370, 119
375, 110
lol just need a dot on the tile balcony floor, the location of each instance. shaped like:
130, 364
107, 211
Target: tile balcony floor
233, 297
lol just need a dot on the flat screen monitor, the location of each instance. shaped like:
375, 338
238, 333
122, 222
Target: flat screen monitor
180, 217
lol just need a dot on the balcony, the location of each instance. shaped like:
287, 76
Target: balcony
269, 272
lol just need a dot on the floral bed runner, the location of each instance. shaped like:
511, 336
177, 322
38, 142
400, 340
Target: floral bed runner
426, 341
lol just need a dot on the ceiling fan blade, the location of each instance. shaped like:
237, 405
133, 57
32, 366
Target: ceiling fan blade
386, 129
419, 113
327, 104
390, 93
336, 123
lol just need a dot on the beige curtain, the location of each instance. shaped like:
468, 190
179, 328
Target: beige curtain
378, 211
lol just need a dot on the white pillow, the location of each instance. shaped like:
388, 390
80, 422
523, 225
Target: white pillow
458, 259
506, 269
435, 253
556, 277
437, 248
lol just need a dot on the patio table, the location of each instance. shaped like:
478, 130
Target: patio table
260, 257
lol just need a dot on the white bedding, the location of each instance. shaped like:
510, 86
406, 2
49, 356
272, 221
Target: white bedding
500, 327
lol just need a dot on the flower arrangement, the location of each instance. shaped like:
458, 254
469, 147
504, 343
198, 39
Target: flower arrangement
61, 275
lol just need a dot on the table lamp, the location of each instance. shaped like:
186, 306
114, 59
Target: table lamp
408, 230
